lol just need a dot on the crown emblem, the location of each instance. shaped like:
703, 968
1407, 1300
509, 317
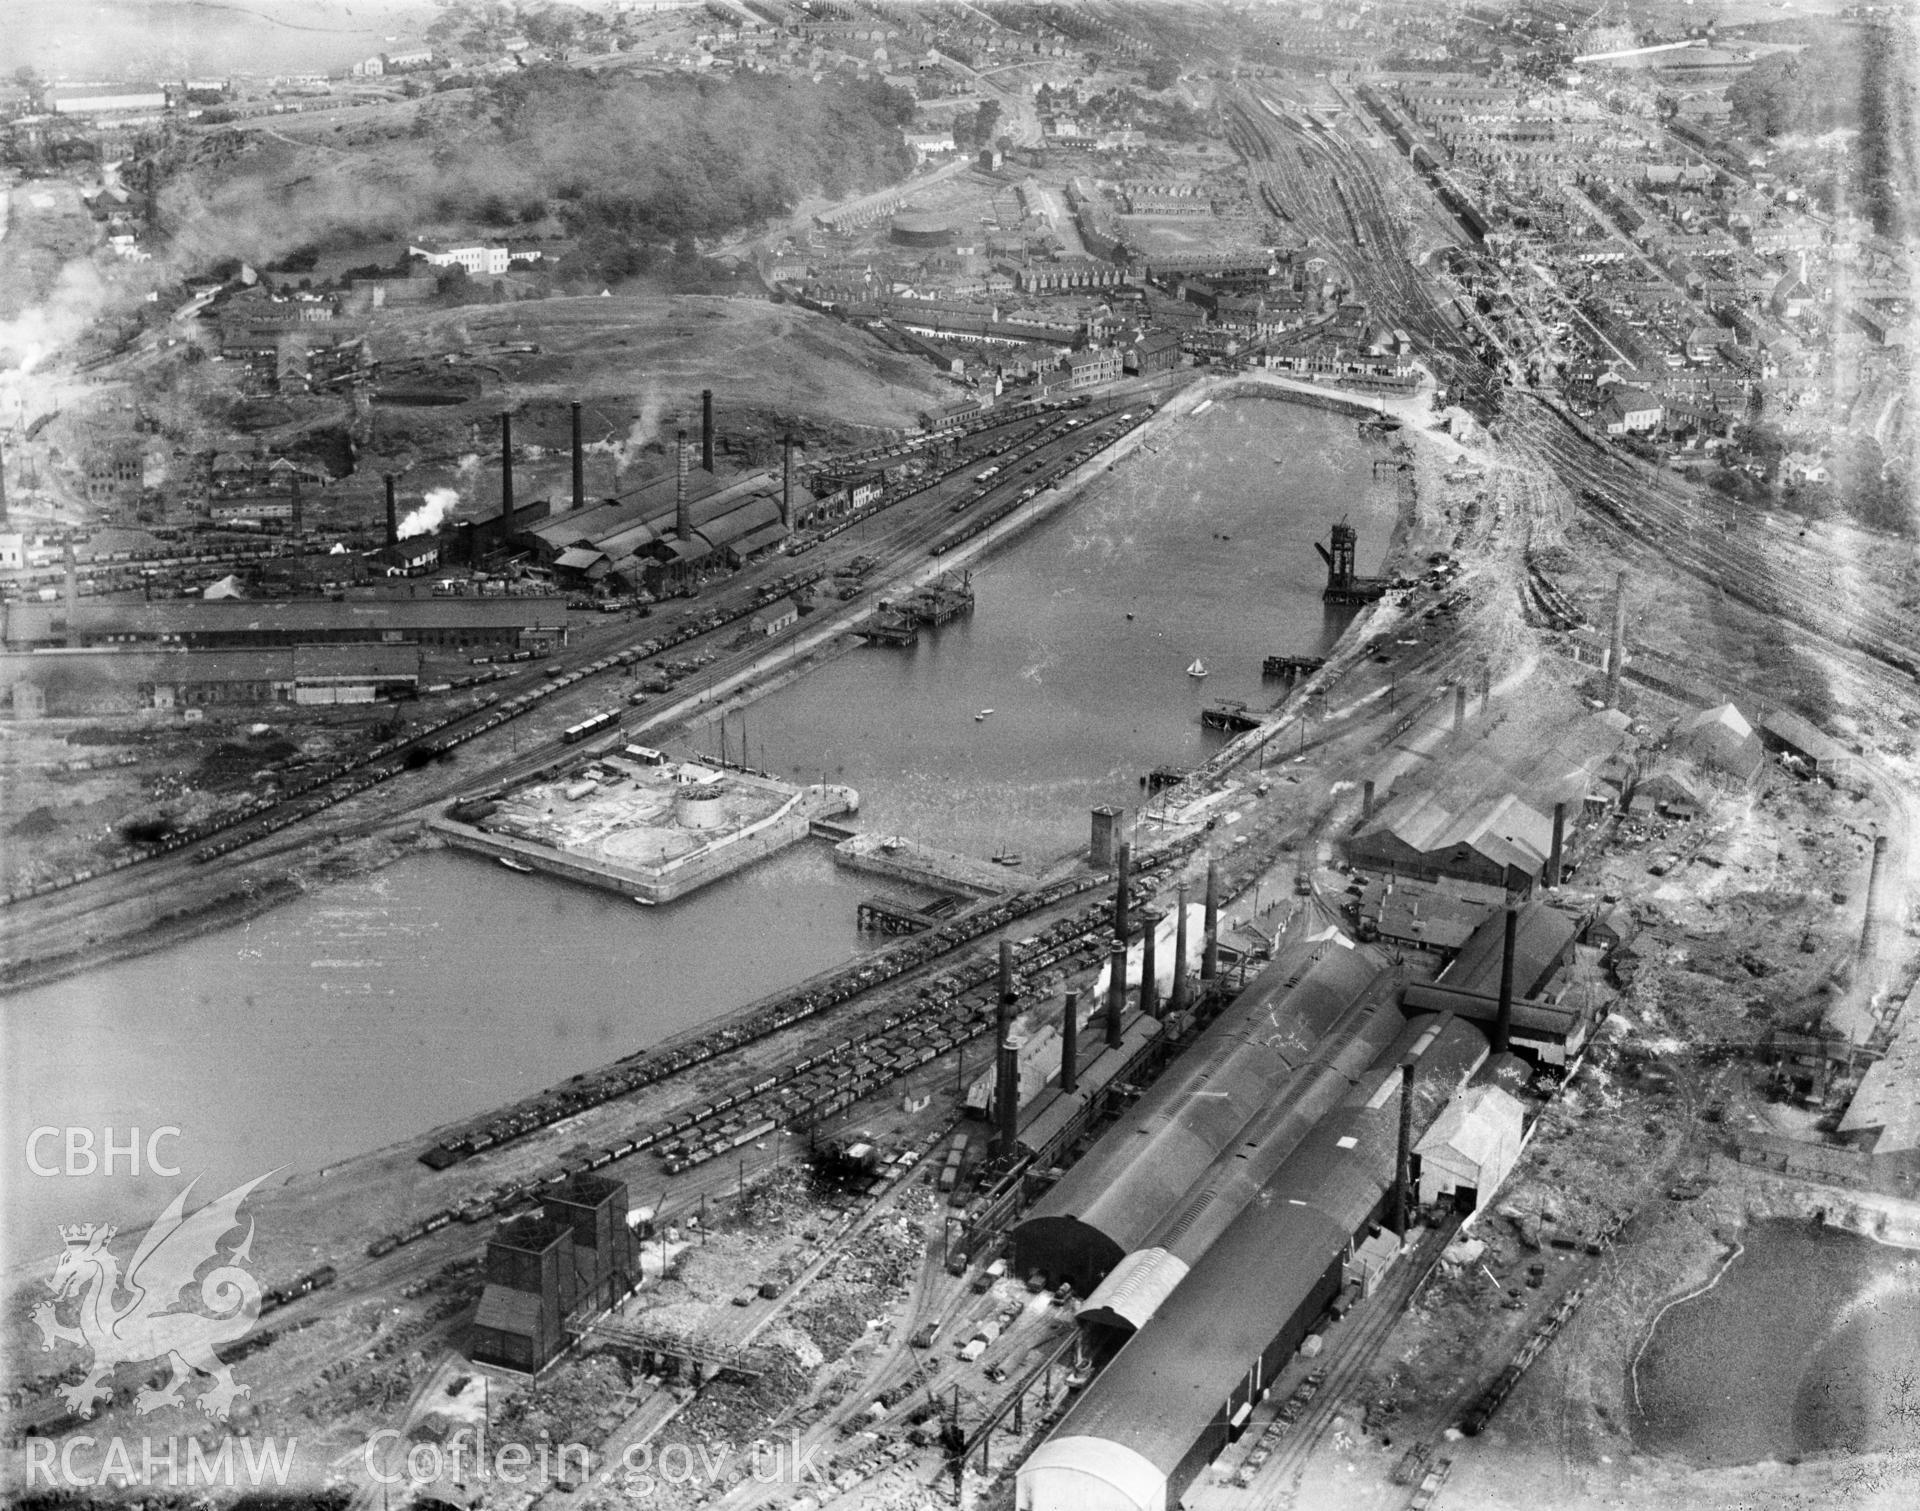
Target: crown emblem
81, 1234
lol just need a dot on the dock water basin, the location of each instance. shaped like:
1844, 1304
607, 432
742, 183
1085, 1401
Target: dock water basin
455, 985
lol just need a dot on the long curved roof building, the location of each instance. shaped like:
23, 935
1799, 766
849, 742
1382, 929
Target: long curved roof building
1138, 1174
1166, 1404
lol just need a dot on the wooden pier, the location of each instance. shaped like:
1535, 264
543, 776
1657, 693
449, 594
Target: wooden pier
886, 916
924, 866
1164, 776
888, 628
1288, 668
1232, 717
939, 602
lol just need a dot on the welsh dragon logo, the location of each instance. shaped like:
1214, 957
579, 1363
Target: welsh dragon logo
135, 1319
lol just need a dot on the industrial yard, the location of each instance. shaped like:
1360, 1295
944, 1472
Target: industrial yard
1464, 1055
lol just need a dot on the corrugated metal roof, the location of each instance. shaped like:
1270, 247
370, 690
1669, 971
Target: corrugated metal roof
1134, 1177
1171, 1380
1481, 1126
1542, 937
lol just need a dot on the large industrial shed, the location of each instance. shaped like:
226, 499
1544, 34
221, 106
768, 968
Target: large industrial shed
1497, 843
1109, 1203
197, 624
1183, 1385
1551, 1033
1140, 1284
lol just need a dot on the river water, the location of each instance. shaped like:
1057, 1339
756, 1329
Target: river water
375, 1009
1801, 1348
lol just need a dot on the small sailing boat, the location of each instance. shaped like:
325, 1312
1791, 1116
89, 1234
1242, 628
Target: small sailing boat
1198, 669
513, 865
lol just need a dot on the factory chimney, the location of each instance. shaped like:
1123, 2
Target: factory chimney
3, 485
706, 430
73, 599
506, 476
1116, 992
1120, 921
786, 481
682, 511
393, 519
1003, 1001
1503, 1023
1149, 969
1559, 844
1210, 952
1617, 650
296, 513
1403, 1162
579, 462
1006, 1100
1177, 1002
1459, 708
1366, 800
1070, 1045
1870, 928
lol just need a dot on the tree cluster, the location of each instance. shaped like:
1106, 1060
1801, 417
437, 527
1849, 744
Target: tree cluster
1819, 89
636, 166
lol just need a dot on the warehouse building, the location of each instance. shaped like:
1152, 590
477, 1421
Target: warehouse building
1498, 844
641, 538
1181, 1387
72, 683
506, 623
1548, 1026
1483, 825
1111, 1203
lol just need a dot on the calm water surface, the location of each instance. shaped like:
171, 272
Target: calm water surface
1802, 1348
375, 1009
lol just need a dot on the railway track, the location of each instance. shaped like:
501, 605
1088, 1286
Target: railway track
1343, 206
1652, 513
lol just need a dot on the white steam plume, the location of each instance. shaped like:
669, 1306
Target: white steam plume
436, 504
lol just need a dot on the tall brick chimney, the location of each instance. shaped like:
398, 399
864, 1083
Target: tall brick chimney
579, 462
786, 482
506, 476
682, 511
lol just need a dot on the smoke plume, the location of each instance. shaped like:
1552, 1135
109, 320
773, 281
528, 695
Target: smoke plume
435, 505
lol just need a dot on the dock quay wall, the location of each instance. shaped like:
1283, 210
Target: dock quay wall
679, 877
909, 860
